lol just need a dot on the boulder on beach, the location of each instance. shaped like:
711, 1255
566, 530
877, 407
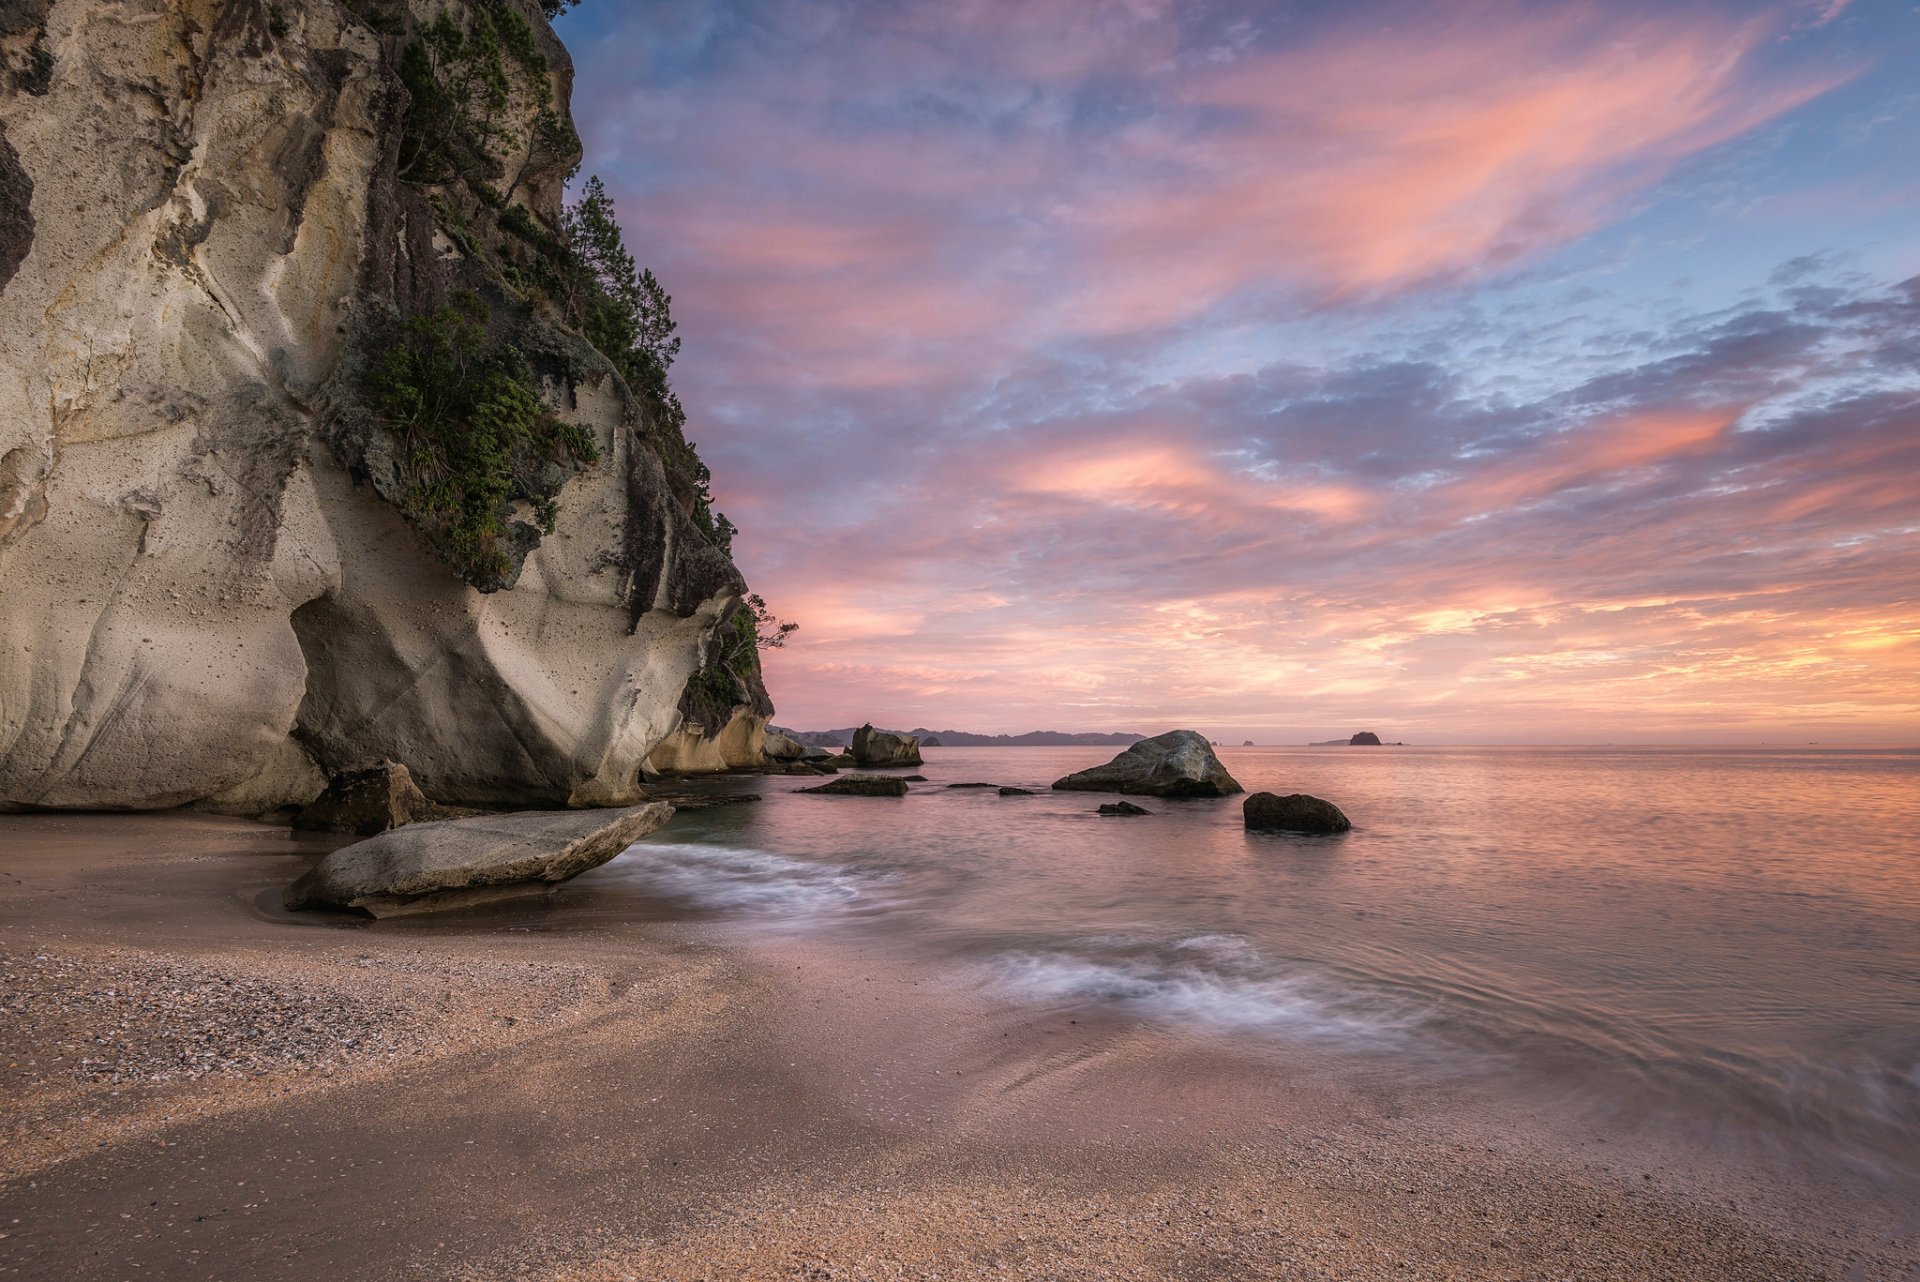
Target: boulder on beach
1179, 763
1296, 812
861, 786
368, 801
780, 747
456, 863
875, 748
1123, 808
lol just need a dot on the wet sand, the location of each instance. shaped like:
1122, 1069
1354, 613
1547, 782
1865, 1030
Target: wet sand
194, 1085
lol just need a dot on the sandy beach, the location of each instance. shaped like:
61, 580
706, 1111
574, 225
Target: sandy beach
198, 1086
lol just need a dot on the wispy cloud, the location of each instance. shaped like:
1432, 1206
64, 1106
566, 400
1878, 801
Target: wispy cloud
990, 311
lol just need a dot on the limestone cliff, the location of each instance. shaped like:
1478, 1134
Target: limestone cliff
217, 576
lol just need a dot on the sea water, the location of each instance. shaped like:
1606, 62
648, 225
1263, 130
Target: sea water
1729, 938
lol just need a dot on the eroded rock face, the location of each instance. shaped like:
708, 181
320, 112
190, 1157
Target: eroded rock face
1295, 812
779, 747
876, 748
458, 863
207, 598
1179, 763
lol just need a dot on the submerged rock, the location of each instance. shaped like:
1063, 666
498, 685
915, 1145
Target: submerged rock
1296, 812
370, 801
1179, 763
969, 785
861, 786
1123, 808
878, 748
456, 863
1016, 792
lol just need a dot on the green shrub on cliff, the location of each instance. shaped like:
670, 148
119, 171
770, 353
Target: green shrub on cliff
473, 438
628, 315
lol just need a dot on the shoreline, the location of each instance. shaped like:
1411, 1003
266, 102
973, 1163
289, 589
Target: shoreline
520, 1094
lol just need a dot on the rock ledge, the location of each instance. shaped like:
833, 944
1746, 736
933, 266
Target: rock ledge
456, 863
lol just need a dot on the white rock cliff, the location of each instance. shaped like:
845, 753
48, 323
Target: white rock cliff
203, 596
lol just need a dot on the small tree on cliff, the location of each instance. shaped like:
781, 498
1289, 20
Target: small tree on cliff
625, 312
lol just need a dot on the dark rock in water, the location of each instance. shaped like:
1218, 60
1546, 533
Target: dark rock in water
913, 778
369, 801
878, 748
969, 785
1365, 739
1246, 743
861, 786
456, 863
1016, 792
1123, 808
839, 761
1296, 812
1179, 763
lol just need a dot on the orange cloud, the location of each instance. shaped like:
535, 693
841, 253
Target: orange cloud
1374, 159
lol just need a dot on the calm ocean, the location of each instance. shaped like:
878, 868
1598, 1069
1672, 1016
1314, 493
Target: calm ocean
1726, 941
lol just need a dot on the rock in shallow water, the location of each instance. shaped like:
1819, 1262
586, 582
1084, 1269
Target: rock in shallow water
861, 786
1179, 763
878, 748
1295, 812
1123, 808
456, 863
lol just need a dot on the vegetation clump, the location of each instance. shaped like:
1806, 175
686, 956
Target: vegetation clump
473, 435
473, 438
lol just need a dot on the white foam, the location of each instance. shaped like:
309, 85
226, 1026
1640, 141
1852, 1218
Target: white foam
1215, 982
743, 882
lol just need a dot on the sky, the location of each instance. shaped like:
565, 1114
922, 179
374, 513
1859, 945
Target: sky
1468, 372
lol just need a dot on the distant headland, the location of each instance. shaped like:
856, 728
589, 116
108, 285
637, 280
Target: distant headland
965, 739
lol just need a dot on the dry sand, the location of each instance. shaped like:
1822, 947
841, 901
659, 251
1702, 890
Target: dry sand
194, 1085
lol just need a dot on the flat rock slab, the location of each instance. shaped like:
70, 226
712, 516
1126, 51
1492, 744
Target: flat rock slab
861, 786
1295, 812
457, 863
1179, 763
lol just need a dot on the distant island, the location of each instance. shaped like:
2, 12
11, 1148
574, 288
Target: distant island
964, 739
1364, 739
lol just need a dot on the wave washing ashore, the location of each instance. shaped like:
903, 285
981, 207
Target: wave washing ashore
964, 1035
